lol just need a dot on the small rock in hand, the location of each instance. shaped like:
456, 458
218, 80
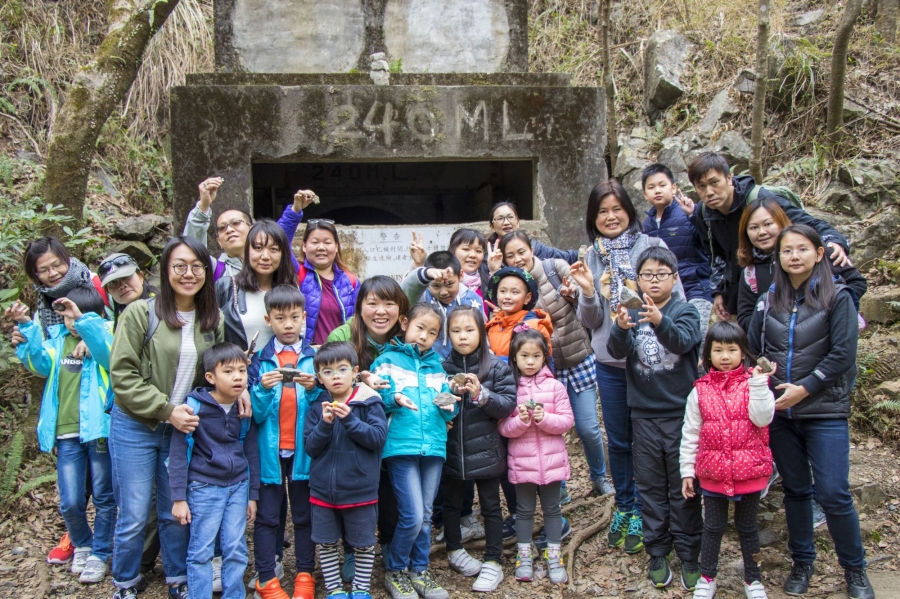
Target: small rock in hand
630, 299
444, 399
765, 366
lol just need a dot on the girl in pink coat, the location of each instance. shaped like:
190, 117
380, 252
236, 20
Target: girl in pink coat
538, 461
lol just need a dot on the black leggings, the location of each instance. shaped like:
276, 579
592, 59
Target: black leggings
714, 522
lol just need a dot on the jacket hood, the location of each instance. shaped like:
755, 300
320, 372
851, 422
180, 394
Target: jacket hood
268, 350
410, 349
365, 395
204, 395
718, 377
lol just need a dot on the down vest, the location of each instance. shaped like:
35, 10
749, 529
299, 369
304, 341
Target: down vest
537, 450
474, 446
571, 344
346, 286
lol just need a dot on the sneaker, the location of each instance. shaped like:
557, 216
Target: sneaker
660, 572
279, 574
472, 523
179, 592
357, 594
775, 476
564, 496
705, 589
634, 537
304, 586
130, 593
399, 585
541, 541
858, 585
271, 590
556, 568
617, 528
348, 570
217, 574
818, 514
95, 570
604, 486
509, 528
63, 552
338, 594
755, 590
690, 574
524, 568
79, 559
797, 583
489, 578
462, 562
426, 586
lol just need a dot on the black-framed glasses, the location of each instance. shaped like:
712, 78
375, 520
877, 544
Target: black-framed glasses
659, 276
506, 218
234, 224
314, 222
181, 269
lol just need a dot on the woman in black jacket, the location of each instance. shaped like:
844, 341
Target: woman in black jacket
475, 450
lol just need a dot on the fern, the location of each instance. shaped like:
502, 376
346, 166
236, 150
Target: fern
888, 405
34, 484
13, 461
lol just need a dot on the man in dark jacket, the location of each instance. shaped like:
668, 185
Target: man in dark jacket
724, 197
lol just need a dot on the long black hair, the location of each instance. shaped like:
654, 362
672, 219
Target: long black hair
206, 309
484, 352
386, 289
269, 231
725, 332
818, 290
519, 339
600, 191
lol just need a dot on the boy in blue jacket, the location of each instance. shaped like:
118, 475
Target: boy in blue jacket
74, 419
214, 475
345, 433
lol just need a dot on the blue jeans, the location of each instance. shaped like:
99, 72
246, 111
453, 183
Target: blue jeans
215, 509
587, 425
139, 457
619, 436
824, 446
72, 468
415, 480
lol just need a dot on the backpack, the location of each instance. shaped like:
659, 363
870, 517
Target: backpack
194, 404
152, 320
552, 276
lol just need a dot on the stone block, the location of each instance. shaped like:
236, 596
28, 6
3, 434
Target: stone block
720, 108
839, 197
380, 65
875, 181
872, 237
672, 158
767, 537
745, 82
140, 228
870, 496
664, 61
735, 149
380, 77
882, 305
137, 250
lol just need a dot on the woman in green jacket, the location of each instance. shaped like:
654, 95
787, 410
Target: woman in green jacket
154, 365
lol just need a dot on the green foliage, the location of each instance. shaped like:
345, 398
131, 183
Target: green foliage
34, 484
396, 66
800, 74
888, 405
13, 463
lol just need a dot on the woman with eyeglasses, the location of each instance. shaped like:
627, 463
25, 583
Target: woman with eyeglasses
608, 268
504, 218
124, 282
154, 365
761, 223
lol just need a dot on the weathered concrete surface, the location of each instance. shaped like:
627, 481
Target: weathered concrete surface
222, 129
306, 36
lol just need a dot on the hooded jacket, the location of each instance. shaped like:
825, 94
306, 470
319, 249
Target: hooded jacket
571, 344
501, 327
537, 450
346, 453
420, 377
219, 457
266, 405
43, 359
682, 237
474, 447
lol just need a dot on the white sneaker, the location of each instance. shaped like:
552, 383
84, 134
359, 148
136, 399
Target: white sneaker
472, 523
217, 574
80, 559
755, 591
705, 589
462, 562
279, 574
489, 578
95, 570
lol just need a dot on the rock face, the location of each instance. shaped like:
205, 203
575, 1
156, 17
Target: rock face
664, 61
137, 250
720, 108
882, 305
735, 149
140, 228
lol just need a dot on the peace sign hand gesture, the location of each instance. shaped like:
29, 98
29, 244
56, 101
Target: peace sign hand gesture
495, 257
417, 249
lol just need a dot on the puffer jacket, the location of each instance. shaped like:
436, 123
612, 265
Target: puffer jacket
571, 344
682, 237
500, 329
420, 377
346, 286
537, 450
733, 454
474, 447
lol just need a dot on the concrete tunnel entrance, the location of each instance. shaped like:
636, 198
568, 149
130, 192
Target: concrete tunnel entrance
396, 193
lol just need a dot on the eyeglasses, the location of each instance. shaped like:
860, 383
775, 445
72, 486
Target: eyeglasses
196, 269
328, 373
659, 276
55, 267
799, 251
234, 224
506, 218
314, 222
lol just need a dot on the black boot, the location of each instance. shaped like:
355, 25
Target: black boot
858, 585
797, 583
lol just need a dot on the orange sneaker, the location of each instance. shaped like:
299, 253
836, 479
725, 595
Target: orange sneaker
62, 553
304, 586
271, 590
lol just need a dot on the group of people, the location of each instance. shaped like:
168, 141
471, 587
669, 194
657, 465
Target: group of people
252, 383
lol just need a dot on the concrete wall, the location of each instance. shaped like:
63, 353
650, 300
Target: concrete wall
428, 36
221, 129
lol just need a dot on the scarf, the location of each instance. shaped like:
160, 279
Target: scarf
750, 271
472, 281
78, 275
613, 254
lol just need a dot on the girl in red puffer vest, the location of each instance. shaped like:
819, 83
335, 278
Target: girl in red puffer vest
725, 445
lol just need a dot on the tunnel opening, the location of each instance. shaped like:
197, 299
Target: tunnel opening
396, 193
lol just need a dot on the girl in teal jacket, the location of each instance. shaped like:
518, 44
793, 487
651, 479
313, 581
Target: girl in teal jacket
416, 444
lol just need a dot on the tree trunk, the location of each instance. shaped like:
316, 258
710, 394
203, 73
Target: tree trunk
759, 94
834, 125
886, 20
98, 88
612, 134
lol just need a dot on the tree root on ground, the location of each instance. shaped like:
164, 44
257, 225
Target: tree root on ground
43, 576
584, 534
